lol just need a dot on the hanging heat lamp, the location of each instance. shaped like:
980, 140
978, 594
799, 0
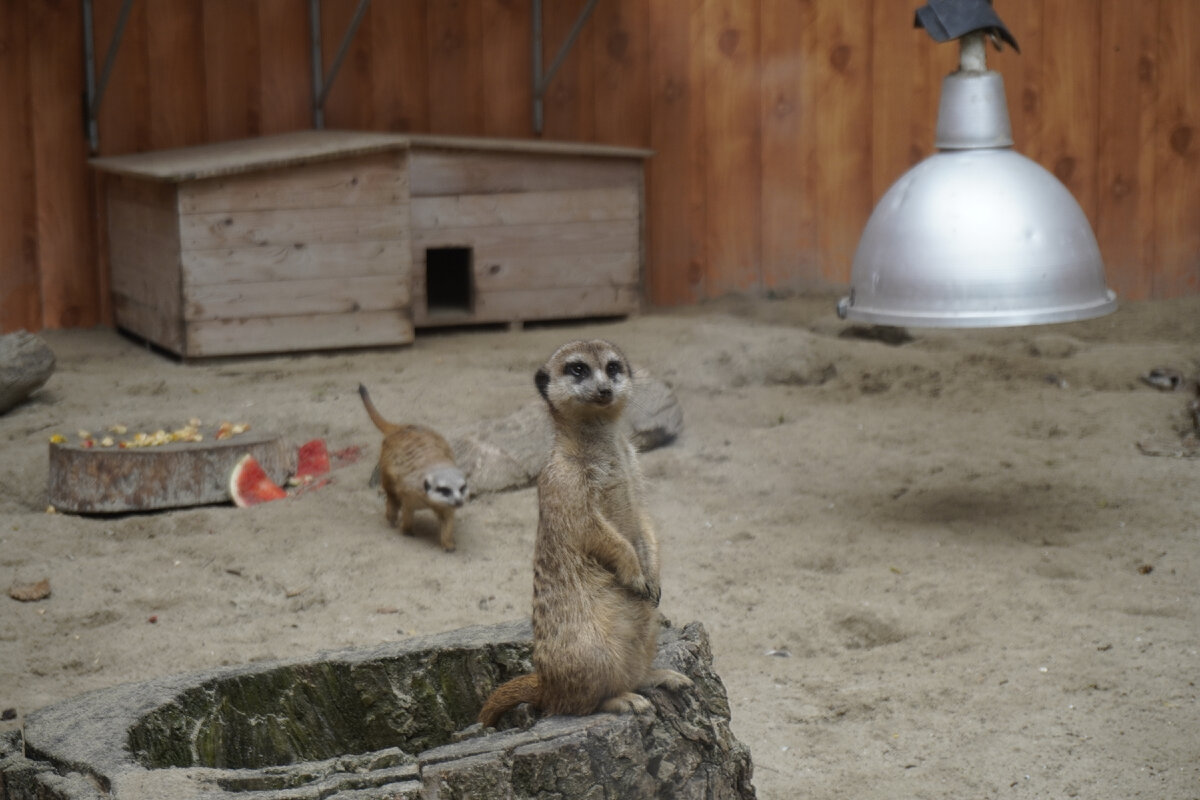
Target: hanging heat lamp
976, 235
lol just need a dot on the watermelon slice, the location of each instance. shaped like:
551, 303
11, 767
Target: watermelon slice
250, 485
312, 460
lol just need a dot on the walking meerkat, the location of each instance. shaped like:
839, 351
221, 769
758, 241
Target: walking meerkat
417, 470
595, 563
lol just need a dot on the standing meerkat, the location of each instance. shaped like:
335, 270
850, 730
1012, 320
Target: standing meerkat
595, 563
417, 470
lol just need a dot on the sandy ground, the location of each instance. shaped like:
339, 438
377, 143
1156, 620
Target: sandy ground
939, 569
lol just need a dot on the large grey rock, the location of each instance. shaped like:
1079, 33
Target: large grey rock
26, 363
508, 453
394, 721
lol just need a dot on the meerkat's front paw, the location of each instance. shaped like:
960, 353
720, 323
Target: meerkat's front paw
644, 589
627, 703
666, 679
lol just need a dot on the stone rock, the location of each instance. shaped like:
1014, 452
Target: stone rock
508, 453
26, 363
395, 721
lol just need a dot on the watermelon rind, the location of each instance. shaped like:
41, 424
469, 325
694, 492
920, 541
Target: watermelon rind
249, 484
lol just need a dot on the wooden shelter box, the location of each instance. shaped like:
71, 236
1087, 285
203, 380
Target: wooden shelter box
333, 239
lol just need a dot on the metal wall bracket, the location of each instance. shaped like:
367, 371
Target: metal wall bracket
94, 89
542, 80
322, 82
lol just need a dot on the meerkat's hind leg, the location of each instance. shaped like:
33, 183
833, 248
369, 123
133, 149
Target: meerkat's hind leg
665, 679
626, 703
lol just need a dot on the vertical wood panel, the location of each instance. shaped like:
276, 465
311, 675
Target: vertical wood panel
1023, 81
286, 98
676, 200
20, 293
789, 121
508, 73
1125, 211
622, 85
64, 223
455, 68
348, 103
733, 146
176, 93
399, 46
841, 89
233, 82
898, 97
1177, 143
124, 115
1070, 107
776, 123
570, 98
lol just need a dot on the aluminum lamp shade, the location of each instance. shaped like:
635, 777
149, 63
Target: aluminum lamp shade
976, 235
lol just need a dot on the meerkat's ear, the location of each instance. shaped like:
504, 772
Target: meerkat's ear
542, 379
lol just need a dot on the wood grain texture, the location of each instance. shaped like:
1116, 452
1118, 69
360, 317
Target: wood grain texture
20, 280
292, 262
513, 241
1071, 104
788, 161
176, 92
1023, 74
455, 67
1177, 145
289, 227
232, 79
507, 69
1125, 202
371, 180
280, 334
733, 146
124, 113
622, 88
337, 295
285, 99
767, 159
526, 208
676, 198
66, 238
400, 83
436, 172
349, 101
840, 85
570, 107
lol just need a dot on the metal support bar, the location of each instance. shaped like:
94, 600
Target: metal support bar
322, 82
542, 80
95, 90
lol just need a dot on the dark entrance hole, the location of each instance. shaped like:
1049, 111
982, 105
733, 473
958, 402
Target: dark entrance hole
448, 279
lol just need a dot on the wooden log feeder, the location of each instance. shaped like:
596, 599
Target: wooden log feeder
113, 480
334, 239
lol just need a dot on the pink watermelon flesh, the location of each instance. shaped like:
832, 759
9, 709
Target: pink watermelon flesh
250, 485
313, 459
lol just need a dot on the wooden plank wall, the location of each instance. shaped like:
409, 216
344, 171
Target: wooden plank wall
777, 123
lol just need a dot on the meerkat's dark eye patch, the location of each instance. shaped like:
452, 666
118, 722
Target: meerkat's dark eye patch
614, 368
577, 370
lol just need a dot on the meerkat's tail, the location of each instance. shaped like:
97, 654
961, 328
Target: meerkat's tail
525, 689
374, 414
